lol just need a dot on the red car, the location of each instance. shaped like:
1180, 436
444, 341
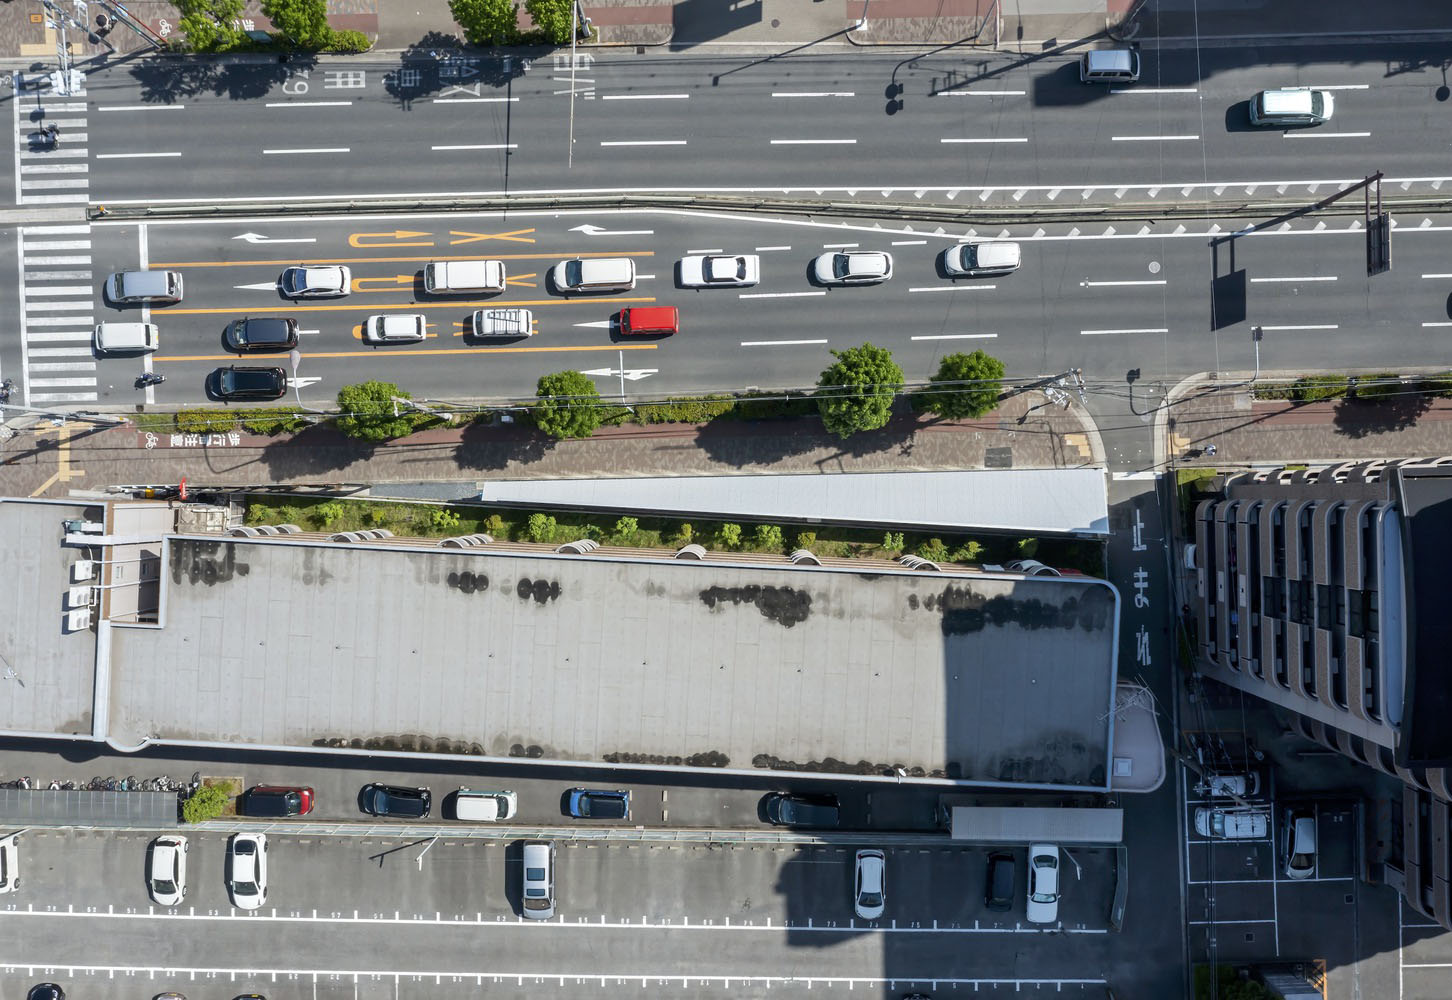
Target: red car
276, 800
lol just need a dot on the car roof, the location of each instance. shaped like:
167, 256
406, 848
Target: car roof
1286, 102
866, 260
1109, 59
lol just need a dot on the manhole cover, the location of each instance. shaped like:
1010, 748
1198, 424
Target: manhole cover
998, 458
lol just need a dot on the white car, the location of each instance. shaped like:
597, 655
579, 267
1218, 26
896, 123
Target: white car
505, 322
316, 282
1225, 785
167, 877
852, 267
247, 870
1043, 884
395, 328
869, 894
9, 863
713, 271
1230, 824
982, 259
1300, 846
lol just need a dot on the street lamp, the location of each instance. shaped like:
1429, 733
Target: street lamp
294, 357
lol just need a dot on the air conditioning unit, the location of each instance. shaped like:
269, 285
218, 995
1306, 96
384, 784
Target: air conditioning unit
83, 570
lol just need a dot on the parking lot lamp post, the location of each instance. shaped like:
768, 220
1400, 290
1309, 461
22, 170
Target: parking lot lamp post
419, 860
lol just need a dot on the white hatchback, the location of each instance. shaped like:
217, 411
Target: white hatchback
715, 271
316, 282
869, 894
395, 328
247, 870
852, 267
1043, 884
167, 875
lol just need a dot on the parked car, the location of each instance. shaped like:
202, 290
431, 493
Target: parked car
472, 806
720, 271
395, 800
45, 991
869, 892
998, 891
166, 877
1230, 824
156, 287
395, 328
538, 892
852, 267
277, 800
316, 282
787, 809
595, 803
1300, 846
1291, 106
247, 870
1225, 785
235, 383
10, 863
982, 259
262, 333
1043, 884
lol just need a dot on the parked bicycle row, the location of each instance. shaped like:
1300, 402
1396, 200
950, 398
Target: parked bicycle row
130, 783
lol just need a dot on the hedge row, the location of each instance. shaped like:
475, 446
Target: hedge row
1370, 388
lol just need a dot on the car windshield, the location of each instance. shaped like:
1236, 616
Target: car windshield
245, 888
842, 265
1318, 103
293, 280
872, 899
165, 886
572, 273
1044, 897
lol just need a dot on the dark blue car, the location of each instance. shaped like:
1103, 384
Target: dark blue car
595, 803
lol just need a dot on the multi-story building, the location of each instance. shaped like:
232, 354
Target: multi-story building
1321, 591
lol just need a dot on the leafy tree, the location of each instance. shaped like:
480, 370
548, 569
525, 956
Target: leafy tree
856, 393
210, 25
686, 534
330, 512
971, 385
892, 541
567, 405
542, 527
768, 536
806, 539
207, 803
487, 22
302, 22
626, 528
934, 550
494, 526
368, 411
728, 536
551, 18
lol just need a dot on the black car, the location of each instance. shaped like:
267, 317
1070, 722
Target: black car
785, 809
998, 894
262, 333
395, 800
596, 803
46, 991
248, 383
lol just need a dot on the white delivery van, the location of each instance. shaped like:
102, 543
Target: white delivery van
471, 806
125, 338
445, 277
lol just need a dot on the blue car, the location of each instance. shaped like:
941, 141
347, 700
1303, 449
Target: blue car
596, 803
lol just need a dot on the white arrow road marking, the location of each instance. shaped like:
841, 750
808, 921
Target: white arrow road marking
599, 324
312, 332
590, 230
261, 286
303, 381
632, 374
259, 238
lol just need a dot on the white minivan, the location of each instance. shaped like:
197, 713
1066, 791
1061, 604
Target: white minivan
538, 887
594, 274
444, 277
1291, 106
125, 338
472, 806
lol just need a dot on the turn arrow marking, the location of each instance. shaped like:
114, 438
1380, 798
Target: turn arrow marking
590, 230
259, 238
630, 374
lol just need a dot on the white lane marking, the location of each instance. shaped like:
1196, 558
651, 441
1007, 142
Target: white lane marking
909, 243
1100, 333
645, 142
1437, 275
953, 288
1154, 90
1231, 920
780, 343
1340, 86
1136, 476
1326, 135
1309, 326
487, 145
144, 107
319, 149
474, 100
64, 397
58, 245
963, 141
813, 93
308, 104
839, 246
1154, 138
645, 97
768, 249
1316, 277
712, 250
132, 156
980, 93
63, 366
814, 142
1437, 324
1123, 284
957, 336
781, 295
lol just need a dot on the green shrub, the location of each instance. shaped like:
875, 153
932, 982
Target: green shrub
684, 409
892, 541
375, 516
626, 529
768, 536
494, 526
1313, 388
728, 536
969, 552
934, 550
272, 421
207, 803
1437, 385
685, 534
1382, 386
444, 518
594, 532
327, 513
1027, 547
775, 405
348, 41
542, 527
806, 539
206, 421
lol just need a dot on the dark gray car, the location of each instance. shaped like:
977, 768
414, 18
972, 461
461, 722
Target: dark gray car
262, 333
248, 383
785, 809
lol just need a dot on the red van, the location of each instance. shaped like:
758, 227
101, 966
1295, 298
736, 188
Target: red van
652, 321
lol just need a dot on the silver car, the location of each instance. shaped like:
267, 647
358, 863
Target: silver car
395, 328
539, 880
316, 282
852, 267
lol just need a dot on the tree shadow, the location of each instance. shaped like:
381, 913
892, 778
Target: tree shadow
317, 449
435, 63
485, 447
165, 81
742, 444
1356, 418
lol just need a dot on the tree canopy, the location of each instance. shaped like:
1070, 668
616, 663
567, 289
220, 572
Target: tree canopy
568, 405
856, 393
968, 386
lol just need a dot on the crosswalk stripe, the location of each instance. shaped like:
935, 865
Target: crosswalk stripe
55, 230
52, 154
58, 260
82, 290
61, 352
31, 307
57, 244
60, 321
57, 276
57, 383
57, 199
26, 184
54, 168
63, 397
63, 366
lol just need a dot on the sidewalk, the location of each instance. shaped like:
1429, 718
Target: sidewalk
46, 461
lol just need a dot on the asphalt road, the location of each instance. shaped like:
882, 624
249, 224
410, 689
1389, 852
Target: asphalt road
162, 130
1098, 298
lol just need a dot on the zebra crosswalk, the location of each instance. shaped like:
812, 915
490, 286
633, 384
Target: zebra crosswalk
57, 287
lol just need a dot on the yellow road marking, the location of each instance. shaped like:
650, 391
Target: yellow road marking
431, 351
359, 284
396, 238
522, 280
396, 260
518, 236
63, 472
411, 306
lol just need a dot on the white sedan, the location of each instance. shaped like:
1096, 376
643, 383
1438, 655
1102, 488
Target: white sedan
395, 328
852, 267
714, 271
316, 282
870, 887
1043, 884
167, 877
247, 870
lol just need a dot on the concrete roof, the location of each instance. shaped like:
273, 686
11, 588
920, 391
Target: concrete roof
1030, 501
301, 643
